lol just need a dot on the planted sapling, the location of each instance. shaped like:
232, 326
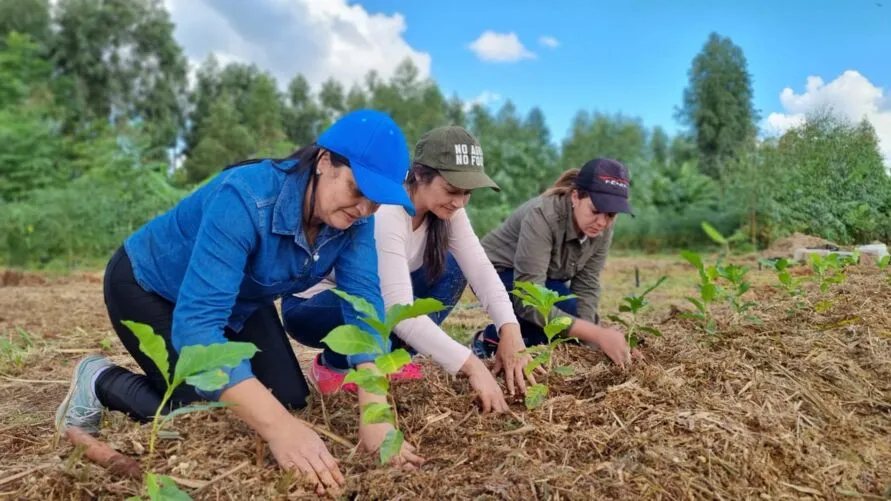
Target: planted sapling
197, 365
708, 291
633, 304
543, 300
351, 340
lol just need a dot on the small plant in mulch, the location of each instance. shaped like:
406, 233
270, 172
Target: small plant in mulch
352, 340
633, 304
543, 300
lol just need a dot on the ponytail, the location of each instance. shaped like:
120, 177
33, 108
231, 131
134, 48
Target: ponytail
565, 184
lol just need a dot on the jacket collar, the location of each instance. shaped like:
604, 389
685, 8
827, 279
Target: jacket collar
287, 216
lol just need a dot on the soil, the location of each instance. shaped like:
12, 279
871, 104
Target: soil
795, 406
785, 247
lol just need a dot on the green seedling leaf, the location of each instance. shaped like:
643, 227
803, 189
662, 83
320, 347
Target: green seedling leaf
377, 413
883, 263
632, 341
535, 395
693, 258
557, 325
366, 311
209, 381
193, 408
351, 340
368, 380
564, 370
391, 445
697, 303
400, 312
650, 330
653, 287
152, 345
537, 362
392, 362
618, 320
195, 359
535, 349
708, 292
713, 233
624, 308
163, 488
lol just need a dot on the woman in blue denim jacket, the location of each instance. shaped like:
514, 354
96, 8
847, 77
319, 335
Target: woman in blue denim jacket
209, 270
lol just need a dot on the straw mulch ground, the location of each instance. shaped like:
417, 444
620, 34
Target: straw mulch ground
797, 406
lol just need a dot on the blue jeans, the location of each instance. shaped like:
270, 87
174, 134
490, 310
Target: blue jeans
532, 333
309, 320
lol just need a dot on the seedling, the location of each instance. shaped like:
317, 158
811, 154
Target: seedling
543, 300
633, 304
352, 340
719, 238
708, 291
884, 261
199, 366
791, 285
827, 269
735, 275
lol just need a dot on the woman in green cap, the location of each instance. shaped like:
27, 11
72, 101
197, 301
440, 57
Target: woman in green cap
431, 254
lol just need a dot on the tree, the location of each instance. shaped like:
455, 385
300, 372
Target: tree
28, 17
717, 104
659, 146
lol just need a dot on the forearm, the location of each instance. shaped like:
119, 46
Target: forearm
367, 397
585, 331
251, 401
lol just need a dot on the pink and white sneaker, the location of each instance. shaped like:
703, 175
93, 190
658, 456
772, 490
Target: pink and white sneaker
330, 381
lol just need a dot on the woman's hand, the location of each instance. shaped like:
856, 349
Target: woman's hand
613, 343
371, 436
296, 445
490, 394
293, 443
509, 359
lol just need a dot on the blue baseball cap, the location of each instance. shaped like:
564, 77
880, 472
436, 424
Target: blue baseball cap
378, 154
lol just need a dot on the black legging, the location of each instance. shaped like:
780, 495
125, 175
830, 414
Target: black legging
140, 395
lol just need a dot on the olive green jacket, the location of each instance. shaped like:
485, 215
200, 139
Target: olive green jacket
539, 242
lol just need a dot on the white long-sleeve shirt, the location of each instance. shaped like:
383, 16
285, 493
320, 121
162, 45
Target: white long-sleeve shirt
401, 252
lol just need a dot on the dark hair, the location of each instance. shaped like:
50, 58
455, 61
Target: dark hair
565, 184
437, 229
307, 158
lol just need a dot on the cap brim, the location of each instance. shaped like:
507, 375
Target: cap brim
469, 180
611, 203
380, 189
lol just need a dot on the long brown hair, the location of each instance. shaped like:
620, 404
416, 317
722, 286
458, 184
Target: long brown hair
565, 184
437, 244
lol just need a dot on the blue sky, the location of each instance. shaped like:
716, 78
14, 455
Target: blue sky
633, 56
610, 56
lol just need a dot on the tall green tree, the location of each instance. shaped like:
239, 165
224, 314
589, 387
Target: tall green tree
29, 17
717, 104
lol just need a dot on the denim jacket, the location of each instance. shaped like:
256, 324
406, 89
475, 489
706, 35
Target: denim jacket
236, 244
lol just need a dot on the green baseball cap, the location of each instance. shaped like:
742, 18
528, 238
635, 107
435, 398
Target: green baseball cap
456, 155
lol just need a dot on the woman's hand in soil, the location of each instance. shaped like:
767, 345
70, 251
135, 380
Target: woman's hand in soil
292, 442
613, 343
510, 359
298, 446
484, 383
371, 436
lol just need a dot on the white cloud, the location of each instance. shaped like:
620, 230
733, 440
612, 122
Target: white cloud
549, 42
484, 99
851, 96
500, 47
318, 39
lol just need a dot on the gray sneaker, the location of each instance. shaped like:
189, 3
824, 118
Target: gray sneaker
81, 408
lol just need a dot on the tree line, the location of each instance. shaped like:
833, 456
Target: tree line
100, 131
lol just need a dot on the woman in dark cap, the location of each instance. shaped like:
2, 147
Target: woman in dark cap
560, 240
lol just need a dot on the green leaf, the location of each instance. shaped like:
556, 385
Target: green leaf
163, 488
708, 292
653, 287
392, 362
713, 233
400, 312
535, 395
391, 445
152, 345
196, 359
632, 341
377, 413
368, 380
359, 304
536, 362
535, 349
206, 406
209, 381
650, 330
618, 320
693, 258
557, 325
883, 263
564, 370
624, 308
351, 340
785, 278
697, 303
